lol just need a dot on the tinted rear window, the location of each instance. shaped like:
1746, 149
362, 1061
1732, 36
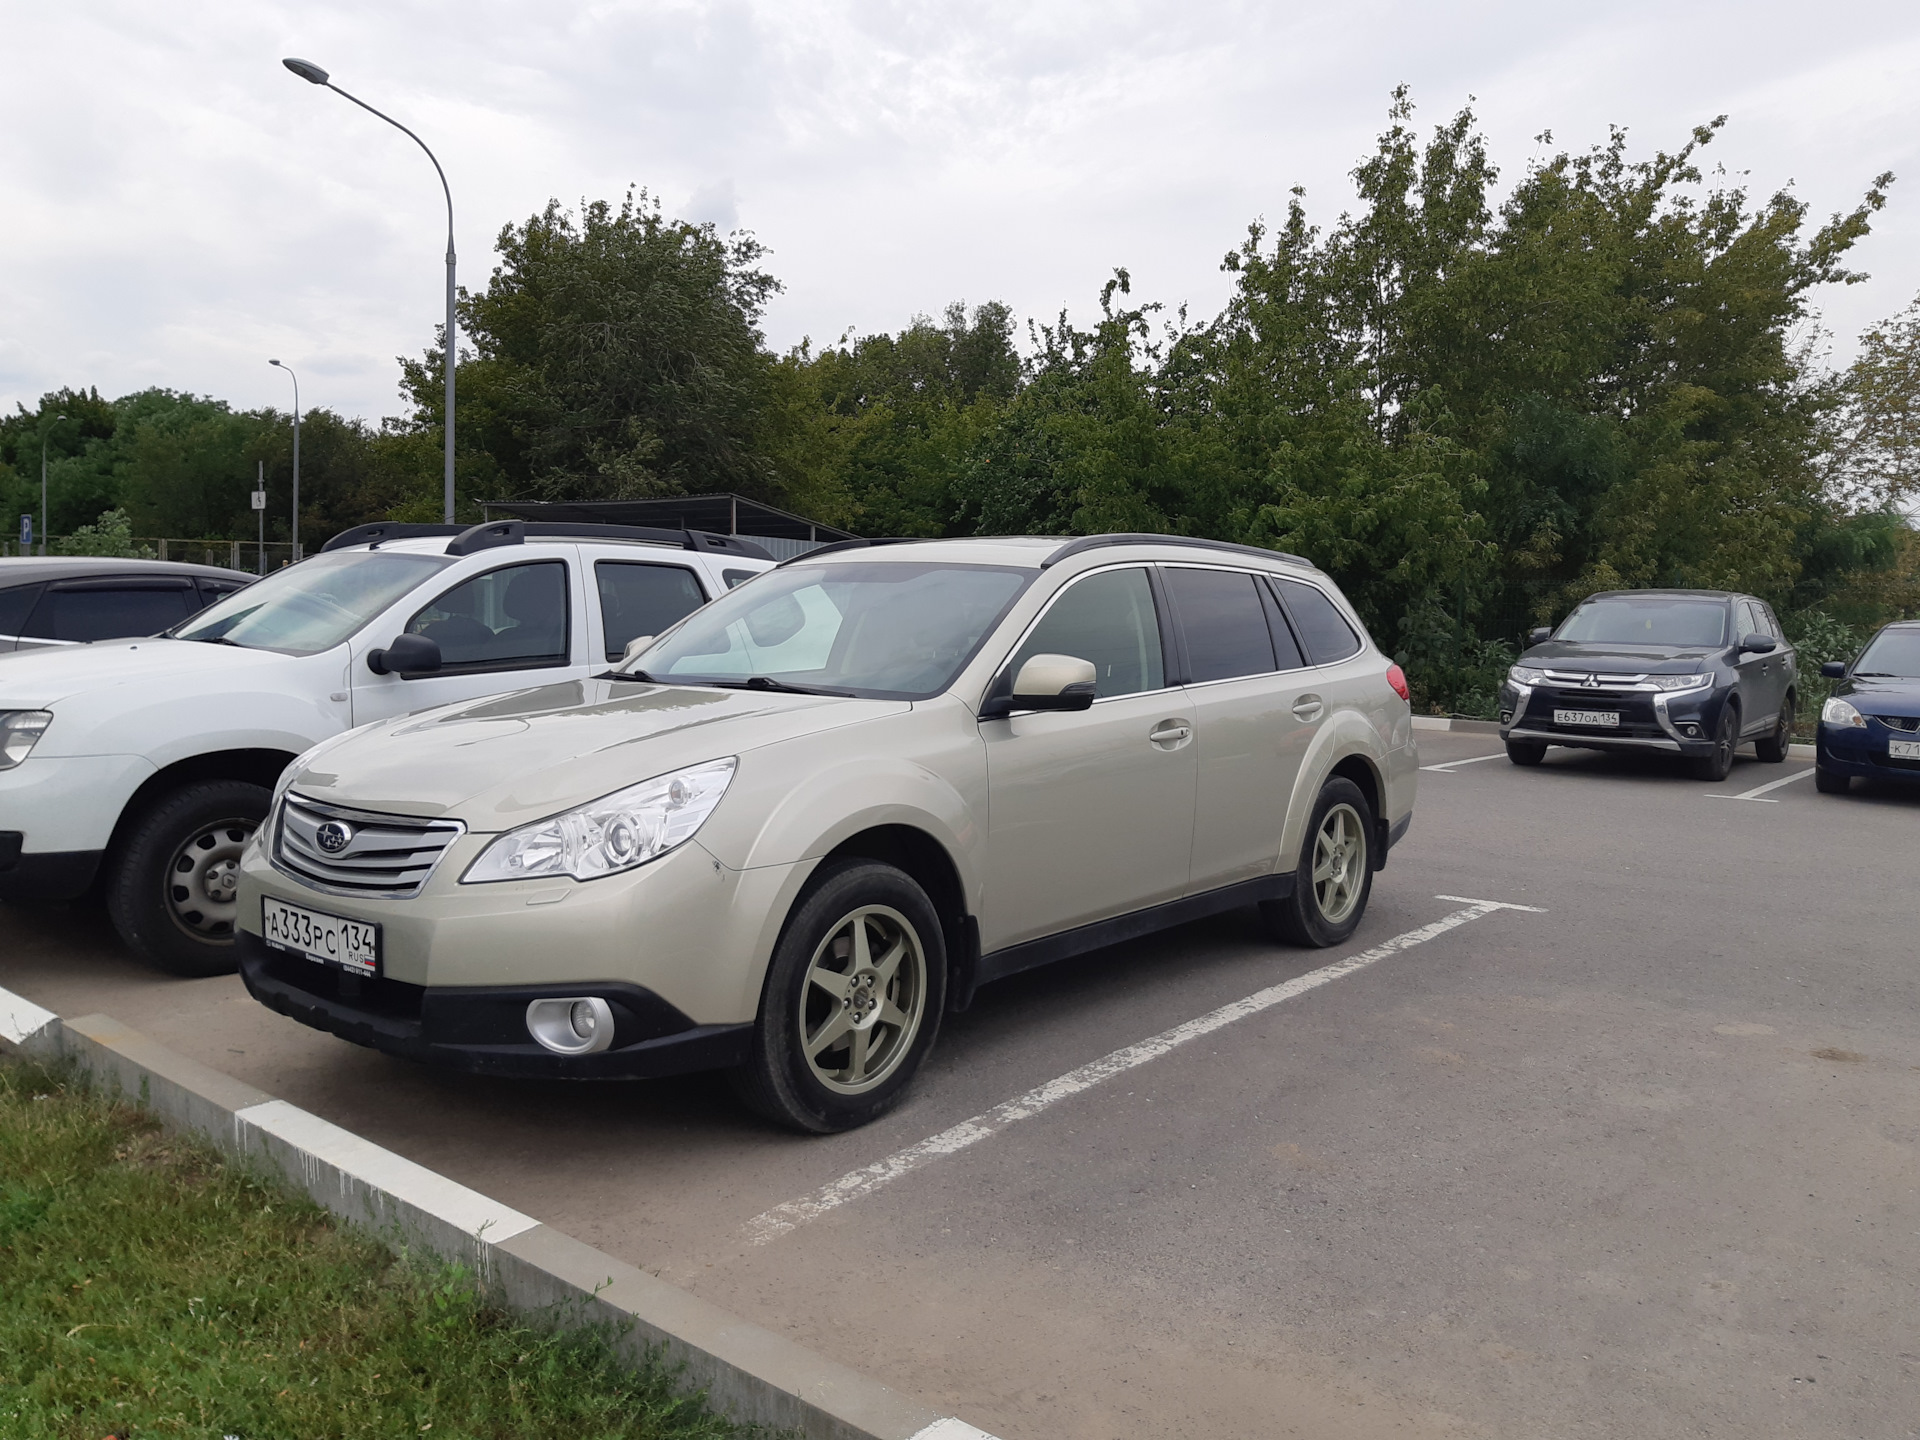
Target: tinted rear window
108, 614
1223, 622
16, 603
1327, 635
638, 599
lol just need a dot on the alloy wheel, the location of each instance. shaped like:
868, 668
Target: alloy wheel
1339, 862
864, 999
203, 879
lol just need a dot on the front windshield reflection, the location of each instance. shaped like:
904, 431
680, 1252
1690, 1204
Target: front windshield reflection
1892, 652
1653, 620
888, 629
311, 606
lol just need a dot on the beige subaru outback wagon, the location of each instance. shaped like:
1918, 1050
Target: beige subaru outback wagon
786, 836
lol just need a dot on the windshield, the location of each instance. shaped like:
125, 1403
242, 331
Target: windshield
1891, 652
1652, 620
312, 606
882, 629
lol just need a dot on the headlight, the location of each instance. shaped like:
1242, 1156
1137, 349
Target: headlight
1679, 682
1838, 712
611, 834
18, 730
1526, 675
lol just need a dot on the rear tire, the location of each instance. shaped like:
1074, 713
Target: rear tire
1726, 739
1773, 749
1526, 752
1335, 874
170, 887
1829, 782
852, 1002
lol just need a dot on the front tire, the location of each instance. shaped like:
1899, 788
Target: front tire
1831, 782
1726, 739
170, 889
1526, 752
1773, 749
1335, 875
852, 1002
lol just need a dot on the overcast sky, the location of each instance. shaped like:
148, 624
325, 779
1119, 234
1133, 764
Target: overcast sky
175, 207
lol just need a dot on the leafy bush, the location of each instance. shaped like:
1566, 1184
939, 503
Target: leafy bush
111, 534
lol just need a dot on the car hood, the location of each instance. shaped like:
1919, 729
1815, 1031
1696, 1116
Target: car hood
1872, 695
40, 678
510, 759
1622, 659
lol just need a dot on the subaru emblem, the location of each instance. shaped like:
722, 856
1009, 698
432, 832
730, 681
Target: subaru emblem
332, 837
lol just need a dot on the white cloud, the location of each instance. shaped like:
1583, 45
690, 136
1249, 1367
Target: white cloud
178, 207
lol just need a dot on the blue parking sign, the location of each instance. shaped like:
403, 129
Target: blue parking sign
26, 529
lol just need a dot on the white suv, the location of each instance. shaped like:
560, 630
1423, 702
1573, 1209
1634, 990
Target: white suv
147, 764
794, 830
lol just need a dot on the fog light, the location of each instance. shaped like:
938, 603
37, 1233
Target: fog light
1692, 732
582, 1026
1506, 717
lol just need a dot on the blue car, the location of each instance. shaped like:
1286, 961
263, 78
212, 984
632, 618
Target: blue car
1871, 726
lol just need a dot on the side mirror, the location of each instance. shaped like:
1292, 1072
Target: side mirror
634, 647
1834, 669
1047, 682
1539, 635
407, 656
1759, 644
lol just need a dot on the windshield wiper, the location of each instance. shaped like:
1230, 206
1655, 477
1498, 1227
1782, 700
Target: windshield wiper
209, 640
767, 682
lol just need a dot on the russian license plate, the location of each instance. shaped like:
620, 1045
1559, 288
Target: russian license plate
1904, 749
330, 939
1608, 718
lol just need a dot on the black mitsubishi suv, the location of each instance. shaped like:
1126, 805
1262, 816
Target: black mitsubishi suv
1689, 672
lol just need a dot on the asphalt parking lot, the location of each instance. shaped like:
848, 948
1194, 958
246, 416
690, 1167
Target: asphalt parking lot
1640, 1159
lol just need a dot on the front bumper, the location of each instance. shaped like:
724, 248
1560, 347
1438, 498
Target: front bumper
59, 812
1861, 751
482, 1029
1676, 723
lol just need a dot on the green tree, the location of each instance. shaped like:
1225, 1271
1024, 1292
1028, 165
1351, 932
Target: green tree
614, 354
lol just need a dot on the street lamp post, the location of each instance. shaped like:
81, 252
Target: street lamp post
314, 75
45, 534
296, 456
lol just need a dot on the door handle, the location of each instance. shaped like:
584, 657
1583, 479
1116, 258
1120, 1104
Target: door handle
1170, 734
1308, 708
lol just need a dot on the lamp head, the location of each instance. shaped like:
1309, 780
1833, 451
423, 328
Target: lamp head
274, 362
306, 70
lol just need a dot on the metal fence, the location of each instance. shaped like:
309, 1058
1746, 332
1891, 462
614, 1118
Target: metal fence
246, 555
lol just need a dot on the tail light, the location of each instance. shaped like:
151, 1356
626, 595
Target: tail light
1397, 678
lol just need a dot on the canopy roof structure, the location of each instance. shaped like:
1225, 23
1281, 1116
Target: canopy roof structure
722, 514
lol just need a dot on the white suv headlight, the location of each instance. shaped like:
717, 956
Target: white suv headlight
611, 834
18, 731
1838, 712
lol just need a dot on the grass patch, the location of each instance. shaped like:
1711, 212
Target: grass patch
149, 1288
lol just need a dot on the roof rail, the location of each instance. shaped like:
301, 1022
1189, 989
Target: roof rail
470, 539
1096, 542
852, 545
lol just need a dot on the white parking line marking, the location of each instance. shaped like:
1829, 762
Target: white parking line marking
1447, 766
869, 1178
1759, 790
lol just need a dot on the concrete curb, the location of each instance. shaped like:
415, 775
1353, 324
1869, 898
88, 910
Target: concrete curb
1492, 727
749, 1373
